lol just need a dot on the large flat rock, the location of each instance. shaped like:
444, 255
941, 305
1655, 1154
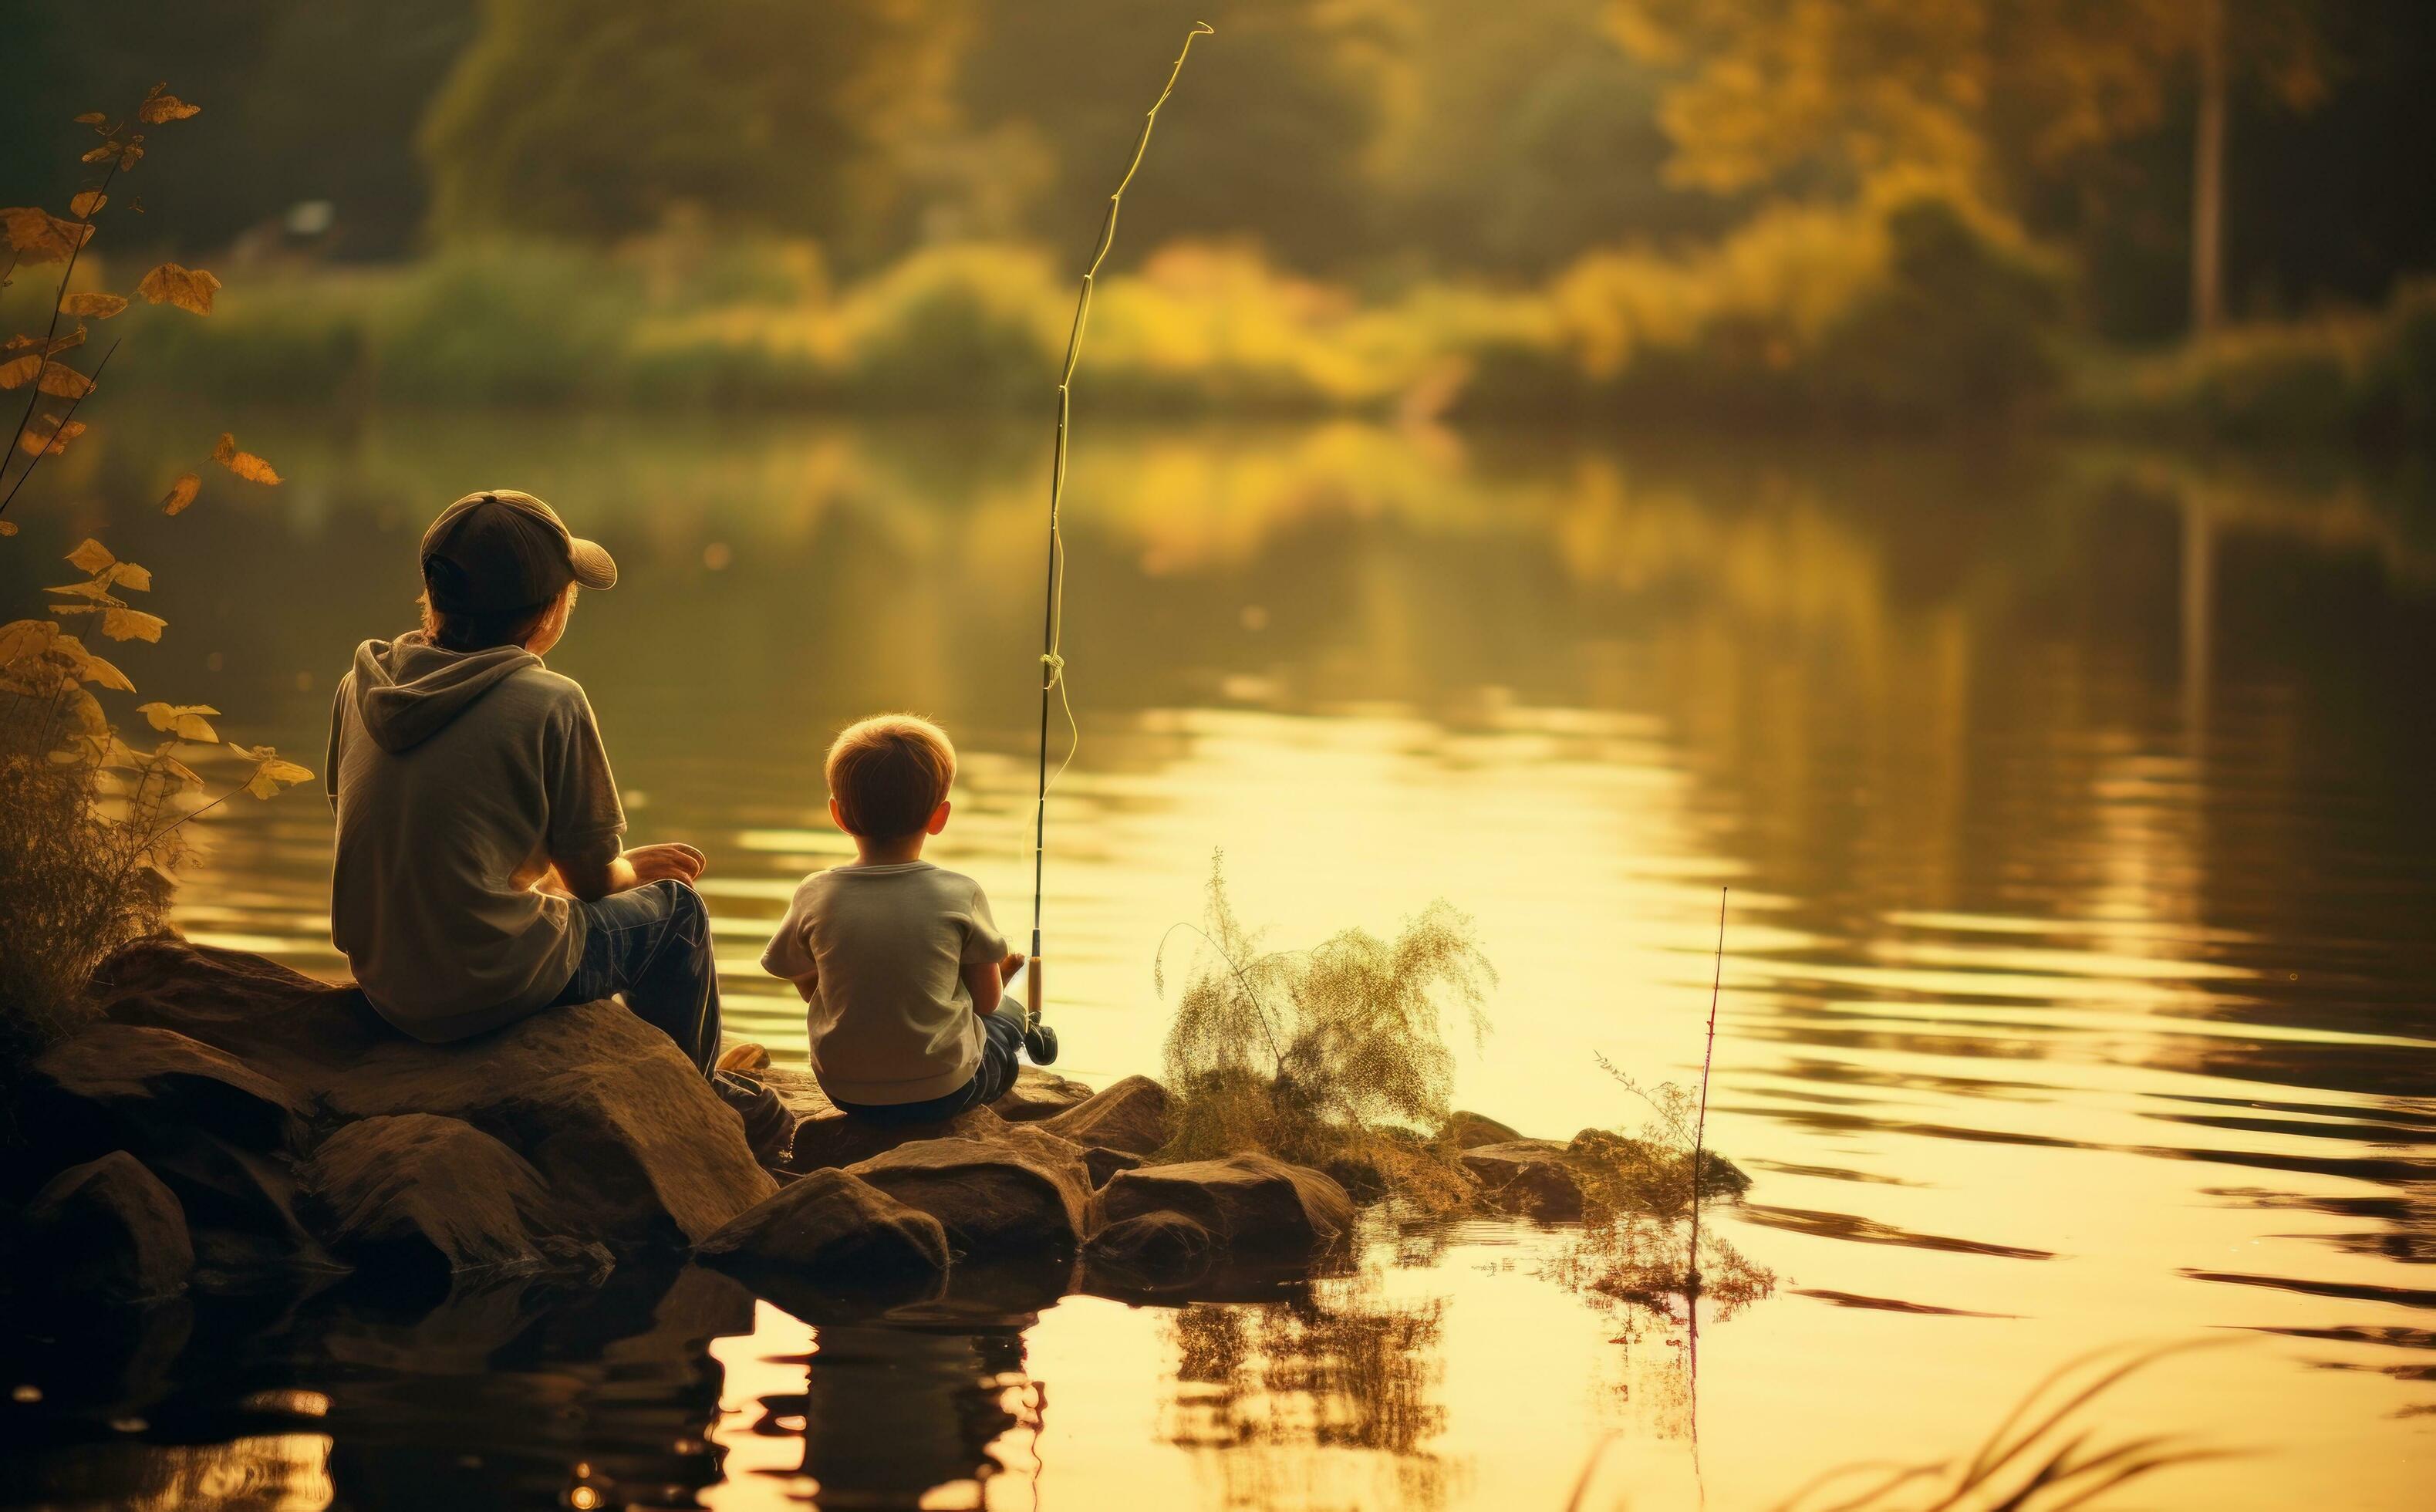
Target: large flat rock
622, 1128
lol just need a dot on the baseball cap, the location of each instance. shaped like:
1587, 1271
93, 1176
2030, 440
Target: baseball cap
502, 550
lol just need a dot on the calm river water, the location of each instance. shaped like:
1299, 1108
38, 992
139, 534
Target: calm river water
2080, 990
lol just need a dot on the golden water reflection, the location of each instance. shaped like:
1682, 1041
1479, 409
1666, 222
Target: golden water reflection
2079, 985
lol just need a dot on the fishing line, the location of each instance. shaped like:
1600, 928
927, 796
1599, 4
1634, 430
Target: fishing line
1052, 626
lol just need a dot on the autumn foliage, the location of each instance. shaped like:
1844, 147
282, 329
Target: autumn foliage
91, 826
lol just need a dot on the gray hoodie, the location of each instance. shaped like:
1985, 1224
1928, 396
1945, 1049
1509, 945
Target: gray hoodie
459, 777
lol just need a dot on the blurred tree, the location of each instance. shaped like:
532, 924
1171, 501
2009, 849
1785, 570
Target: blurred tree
1528, 140
597, 117
308, 101
2000, 89
1273, 134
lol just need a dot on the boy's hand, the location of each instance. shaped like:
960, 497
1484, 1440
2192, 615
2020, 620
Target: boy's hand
1008, 967
668, 862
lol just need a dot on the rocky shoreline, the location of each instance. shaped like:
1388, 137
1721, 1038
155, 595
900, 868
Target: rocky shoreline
230, 1126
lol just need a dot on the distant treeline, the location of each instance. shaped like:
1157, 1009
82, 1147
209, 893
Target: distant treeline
1384, 145
1912, 311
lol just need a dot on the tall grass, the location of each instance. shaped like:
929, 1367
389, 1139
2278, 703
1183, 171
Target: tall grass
1334, 1056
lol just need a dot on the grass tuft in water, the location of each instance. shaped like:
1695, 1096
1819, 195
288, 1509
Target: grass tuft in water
1336, 1056
2044, 1457
1636, 1246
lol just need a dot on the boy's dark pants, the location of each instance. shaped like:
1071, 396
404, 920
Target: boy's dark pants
1001, 1037
652, 944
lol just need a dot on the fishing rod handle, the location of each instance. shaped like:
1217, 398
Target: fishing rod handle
1031, 990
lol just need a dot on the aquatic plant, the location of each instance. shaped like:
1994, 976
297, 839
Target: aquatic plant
89, 827
2039, 1458
1640, 1196
1334, 1056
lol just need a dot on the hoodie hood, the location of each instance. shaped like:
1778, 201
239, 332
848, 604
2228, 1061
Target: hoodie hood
407, 689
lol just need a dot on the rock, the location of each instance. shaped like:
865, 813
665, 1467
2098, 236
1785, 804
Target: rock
1022, 1191
117, 1085
1469, 1130
109, 1229
830, 1228
623, 1129
1630, 1166
415, 1190
1132, 1116
835, 1140
799, 1090
1251, 1204
1156, 1251
1039, 1094
1529, 1177
1103, 1162
241, 1206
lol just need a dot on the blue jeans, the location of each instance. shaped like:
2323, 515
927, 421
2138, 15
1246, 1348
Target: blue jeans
653, 945
1001, 1037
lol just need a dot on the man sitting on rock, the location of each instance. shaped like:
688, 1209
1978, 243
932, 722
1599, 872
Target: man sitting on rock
480, 873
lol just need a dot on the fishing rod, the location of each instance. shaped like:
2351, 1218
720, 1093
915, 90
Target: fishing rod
1038, 1038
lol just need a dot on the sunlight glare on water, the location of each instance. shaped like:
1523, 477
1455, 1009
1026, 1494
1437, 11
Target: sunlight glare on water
2077, 974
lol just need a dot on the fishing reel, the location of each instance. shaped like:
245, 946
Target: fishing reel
1039, 1040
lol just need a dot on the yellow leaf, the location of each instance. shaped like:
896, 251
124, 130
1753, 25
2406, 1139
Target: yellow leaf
40, 237
50, 433
23, 638
83, 205
182, 777
91, 667
270, 773
131, 624
182, 493
130, 155
91, 118
64, 382
127, 575
96, 306
186, 721
244, 464
189, 288
159, 105
97, 590
91, 557
19, 371
107, 150
8, 527
52, 348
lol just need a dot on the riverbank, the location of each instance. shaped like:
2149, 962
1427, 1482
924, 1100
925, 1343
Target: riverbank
1908, 315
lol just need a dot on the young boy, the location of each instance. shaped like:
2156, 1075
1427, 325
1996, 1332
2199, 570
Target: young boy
900, 962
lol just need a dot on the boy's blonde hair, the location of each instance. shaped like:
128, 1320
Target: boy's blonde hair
888, 773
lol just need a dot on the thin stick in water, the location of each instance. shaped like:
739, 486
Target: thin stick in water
1701, 1128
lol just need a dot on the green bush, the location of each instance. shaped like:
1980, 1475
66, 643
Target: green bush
2365, 379
512, 323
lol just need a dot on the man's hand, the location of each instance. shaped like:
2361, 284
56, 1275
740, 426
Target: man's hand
1008, 967
644, 863
671, 863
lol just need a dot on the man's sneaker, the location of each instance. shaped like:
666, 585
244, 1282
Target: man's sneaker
744, 1055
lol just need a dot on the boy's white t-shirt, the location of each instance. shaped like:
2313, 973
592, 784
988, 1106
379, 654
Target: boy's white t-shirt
880, 953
